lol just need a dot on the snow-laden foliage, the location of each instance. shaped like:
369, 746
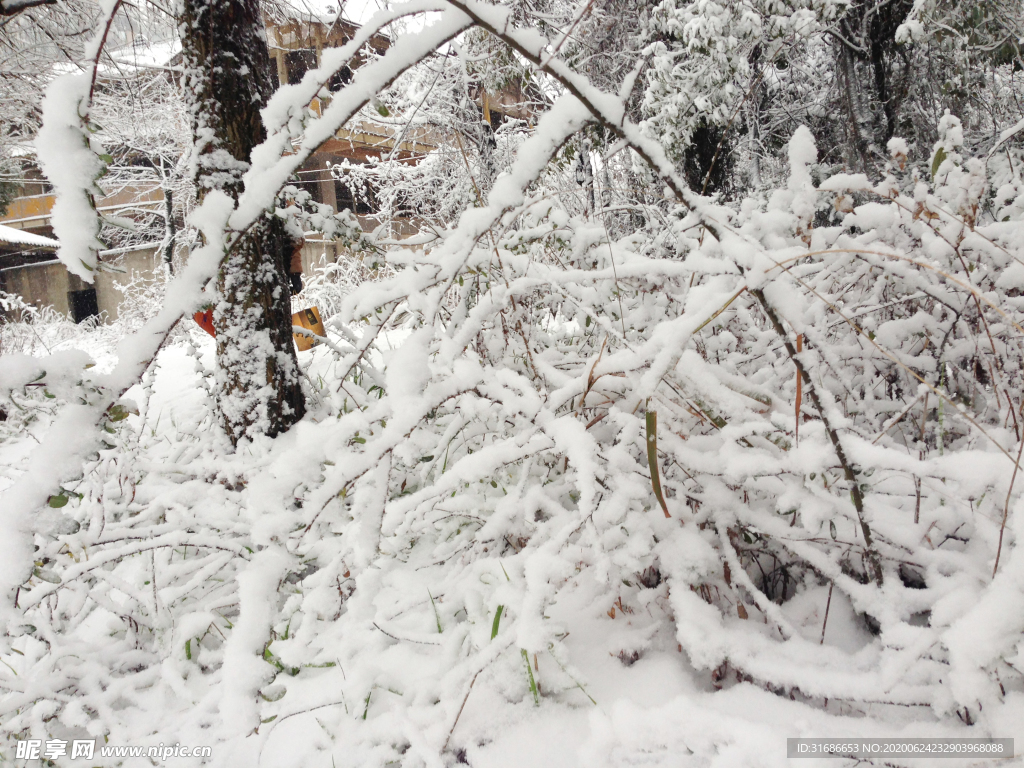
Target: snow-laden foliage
737, 46
489, 451
648, 484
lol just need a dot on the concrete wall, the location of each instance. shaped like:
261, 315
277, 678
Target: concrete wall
42, 285
48, 284
144, 263
318, 252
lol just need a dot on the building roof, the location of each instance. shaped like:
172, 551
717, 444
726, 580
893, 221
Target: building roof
20, 237
141, 54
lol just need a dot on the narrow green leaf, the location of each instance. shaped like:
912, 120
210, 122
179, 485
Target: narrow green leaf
529, 674
437, 616
578, 683
497, 621
188, 649
940, 158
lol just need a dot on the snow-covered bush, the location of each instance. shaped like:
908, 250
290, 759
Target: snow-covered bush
473, 495
32, 330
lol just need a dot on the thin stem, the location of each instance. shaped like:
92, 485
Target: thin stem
848, 469
1006, 506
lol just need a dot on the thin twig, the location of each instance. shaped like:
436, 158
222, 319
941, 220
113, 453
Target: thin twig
464, 700
828, 604
1006, 506
99, 51
848, 470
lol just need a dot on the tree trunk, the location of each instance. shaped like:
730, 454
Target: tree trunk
868, 63
227, 81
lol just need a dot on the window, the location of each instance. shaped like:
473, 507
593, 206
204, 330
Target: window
307, 179
83, 304
340, 79
299, 63
363, 204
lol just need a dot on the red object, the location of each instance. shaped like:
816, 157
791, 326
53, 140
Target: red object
205, 321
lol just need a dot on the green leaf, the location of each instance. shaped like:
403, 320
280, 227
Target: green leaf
46, 575
117, 413
58, 501
273, 693
940, 157
106, 158
437, 616
497, 621
188, 649
533, 681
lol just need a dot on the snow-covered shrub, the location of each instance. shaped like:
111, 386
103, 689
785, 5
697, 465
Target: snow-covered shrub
535, 469
33, 330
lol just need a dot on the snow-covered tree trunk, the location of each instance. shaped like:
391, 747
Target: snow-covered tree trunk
872, 92
226, 83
